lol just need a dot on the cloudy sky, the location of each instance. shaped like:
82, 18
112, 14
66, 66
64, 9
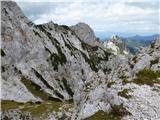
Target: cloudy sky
124, 17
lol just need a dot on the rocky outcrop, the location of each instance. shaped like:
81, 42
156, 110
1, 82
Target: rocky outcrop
85, 33
148, 57
116, 45
60, 71
15, 115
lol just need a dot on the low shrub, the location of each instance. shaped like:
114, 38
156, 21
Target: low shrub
124, 93
147, 76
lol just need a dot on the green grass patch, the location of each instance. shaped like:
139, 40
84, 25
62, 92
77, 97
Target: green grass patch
36, 110
44, 108
147, 76
35, 89
101, 115
125, 81
124, 93
10, 104
117, 112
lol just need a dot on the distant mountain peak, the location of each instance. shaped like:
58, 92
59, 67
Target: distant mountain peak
116, 45
114, 37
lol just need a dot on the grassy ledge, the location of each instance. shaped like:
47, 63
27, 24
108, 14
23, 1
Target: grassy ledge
37, 110
35, 89
117, 112
124, 93
145, 76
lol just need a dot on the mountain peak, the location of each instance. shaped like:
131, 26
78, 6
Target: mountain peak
116, 45
114, 37
82, 24
13, 11
85, 33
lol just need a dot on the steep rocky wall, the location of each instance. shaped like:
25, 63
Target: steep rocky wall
49, 55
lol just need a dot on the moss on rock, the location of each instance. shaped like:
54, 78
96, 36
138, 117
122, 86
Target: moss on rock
124, 93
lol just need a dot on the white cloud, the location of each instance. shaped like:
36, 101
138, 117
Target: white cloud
110, 15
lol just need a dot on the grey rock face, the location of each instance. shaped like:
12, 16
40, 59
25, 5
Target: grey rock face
49, 55
148, 57
144, 104
116, 45
15, 115
85, 33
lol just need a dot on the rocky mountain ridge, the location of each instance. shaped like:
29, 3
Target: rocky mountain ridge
55, 71
132, 44
116, 45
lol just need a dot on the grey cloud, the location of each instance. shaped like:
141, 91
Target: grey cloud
34, 9
110, 15
144, 5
